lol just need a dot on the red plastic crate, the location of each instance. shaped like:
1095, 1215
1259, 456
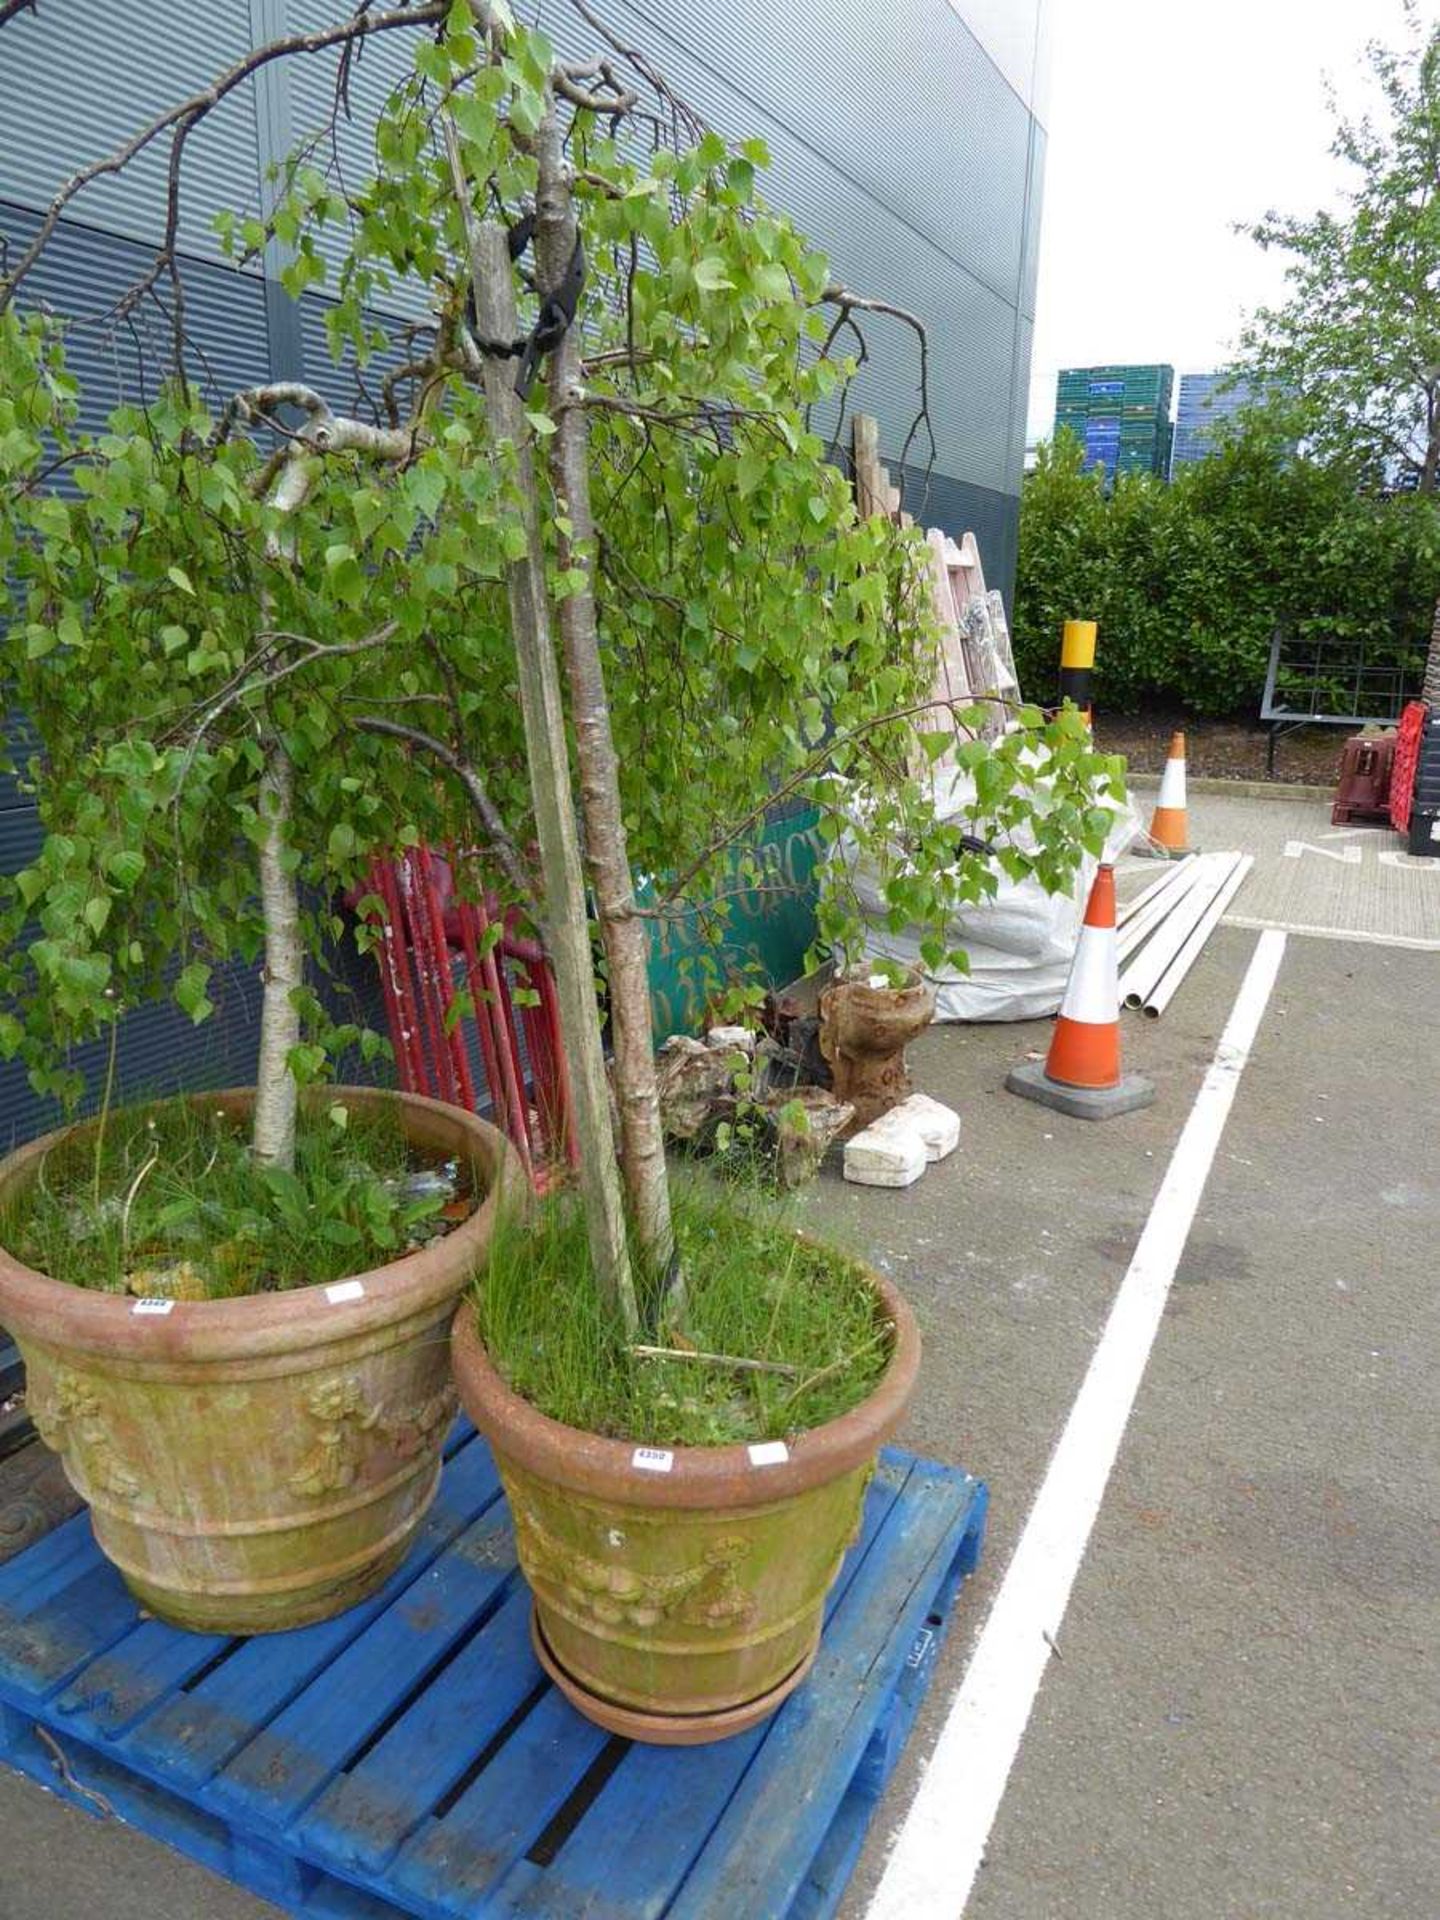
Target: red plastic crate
1407, 759
449, 972
1363, 789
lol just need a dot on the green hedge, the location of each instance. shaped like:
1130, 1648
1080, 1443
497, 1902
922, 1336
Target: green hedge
1188, 581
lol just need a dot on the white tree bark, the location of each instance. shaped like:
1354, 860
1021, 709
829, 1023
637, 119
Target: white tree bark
272, 1138
273, 1133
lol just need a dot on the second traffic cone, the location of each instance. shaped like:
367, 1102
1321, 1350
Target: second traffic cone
1169, 825
1081, 1075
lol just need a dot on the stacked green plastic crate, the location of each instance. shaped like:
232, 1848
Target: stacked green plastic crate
1120, 414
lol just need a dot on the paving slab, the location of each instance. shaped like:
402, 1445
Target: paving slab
1310, 878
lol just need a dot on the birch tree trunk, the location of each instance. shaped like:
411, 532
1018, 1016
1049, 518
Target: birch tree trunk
272, 1137
273, 1133
547, 753
607, 860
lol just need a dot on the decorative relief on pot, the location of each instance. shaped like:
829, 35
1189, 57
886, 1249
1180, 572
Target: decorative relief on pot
69, 1419
413, 1432
707, 1594
343, 1418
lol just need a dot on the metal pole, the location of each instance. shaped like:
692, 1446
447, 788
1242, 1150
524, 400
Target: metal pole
1132, 907
1146, 969
1077, 662
1146, 921
1163, 992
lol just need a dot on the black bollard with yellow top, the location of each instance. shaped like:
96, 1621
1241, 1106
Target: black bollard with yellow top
1077, 663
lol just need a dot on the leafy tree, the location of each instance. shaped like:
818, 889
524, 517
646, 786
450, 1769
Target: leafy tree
1355, 347
609, 558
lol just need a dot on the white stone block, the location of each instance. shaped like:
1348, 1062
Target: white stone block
888, 1153
938, 1125
731, 1039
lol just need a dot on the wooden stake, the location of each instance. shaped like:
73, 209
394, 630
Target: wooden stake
547, 753
607, 859
717, 1360
870, 482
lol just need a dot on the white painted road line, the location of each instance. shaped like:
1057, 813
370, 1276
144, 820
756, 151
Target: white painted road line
942, 1840
1415, 942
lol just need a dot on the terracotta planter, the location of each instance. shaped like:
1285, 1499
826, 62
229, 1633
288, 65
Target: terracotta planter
679, 1593
257, 1463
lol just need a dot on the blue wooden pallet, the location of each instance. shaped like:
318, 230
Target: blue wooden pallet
410, 1758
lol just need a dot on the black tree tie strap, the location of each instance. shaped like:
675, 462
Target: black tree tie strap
554, 320
552, 323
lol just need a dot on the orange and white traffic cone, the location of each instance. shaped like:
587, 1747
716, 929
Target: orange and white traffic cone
1081, 1075
1169, 824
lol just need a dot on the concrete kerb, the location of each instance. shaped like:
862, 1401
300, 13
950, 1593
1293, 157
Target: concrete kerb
1241, 789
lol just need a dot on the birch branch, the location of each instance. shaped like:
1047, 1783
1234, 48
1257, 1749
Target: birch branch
185, 117
244, 683
816, 765
849, 304
611, 96
505, 849
684, 115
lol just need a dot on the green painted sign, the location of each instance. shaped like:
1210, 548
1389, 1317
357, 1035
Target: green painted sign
760, 934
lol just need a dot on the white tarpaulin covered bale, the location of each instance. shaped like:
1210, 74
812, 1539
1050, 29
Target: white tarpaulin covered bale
1020, 941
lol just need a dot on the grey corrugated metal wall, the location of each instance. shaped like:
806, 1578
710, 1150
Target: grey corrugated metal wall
907, 142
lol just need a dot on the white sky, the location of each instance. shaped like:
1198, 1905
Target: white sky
1169, 120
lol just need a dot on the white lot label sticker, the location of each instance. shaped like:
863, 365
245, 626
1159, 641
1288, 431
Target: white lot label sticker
652, 1459
152, 1305
344, 1290
769, 1453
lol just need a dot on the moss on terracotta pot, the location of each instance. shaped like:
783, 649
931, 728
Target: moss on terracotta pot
680, 1591
256, 1463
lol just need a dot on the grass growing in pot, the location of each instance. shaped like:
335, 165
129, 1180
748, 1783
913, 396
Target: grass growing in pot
251, 1463
169, 1200
756, 1291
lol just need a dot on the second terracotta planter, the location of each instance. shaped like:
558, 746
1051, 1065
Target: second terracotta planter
679, 1592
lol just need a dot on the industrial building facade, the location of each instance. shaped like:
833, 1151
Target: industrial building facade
908, 143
